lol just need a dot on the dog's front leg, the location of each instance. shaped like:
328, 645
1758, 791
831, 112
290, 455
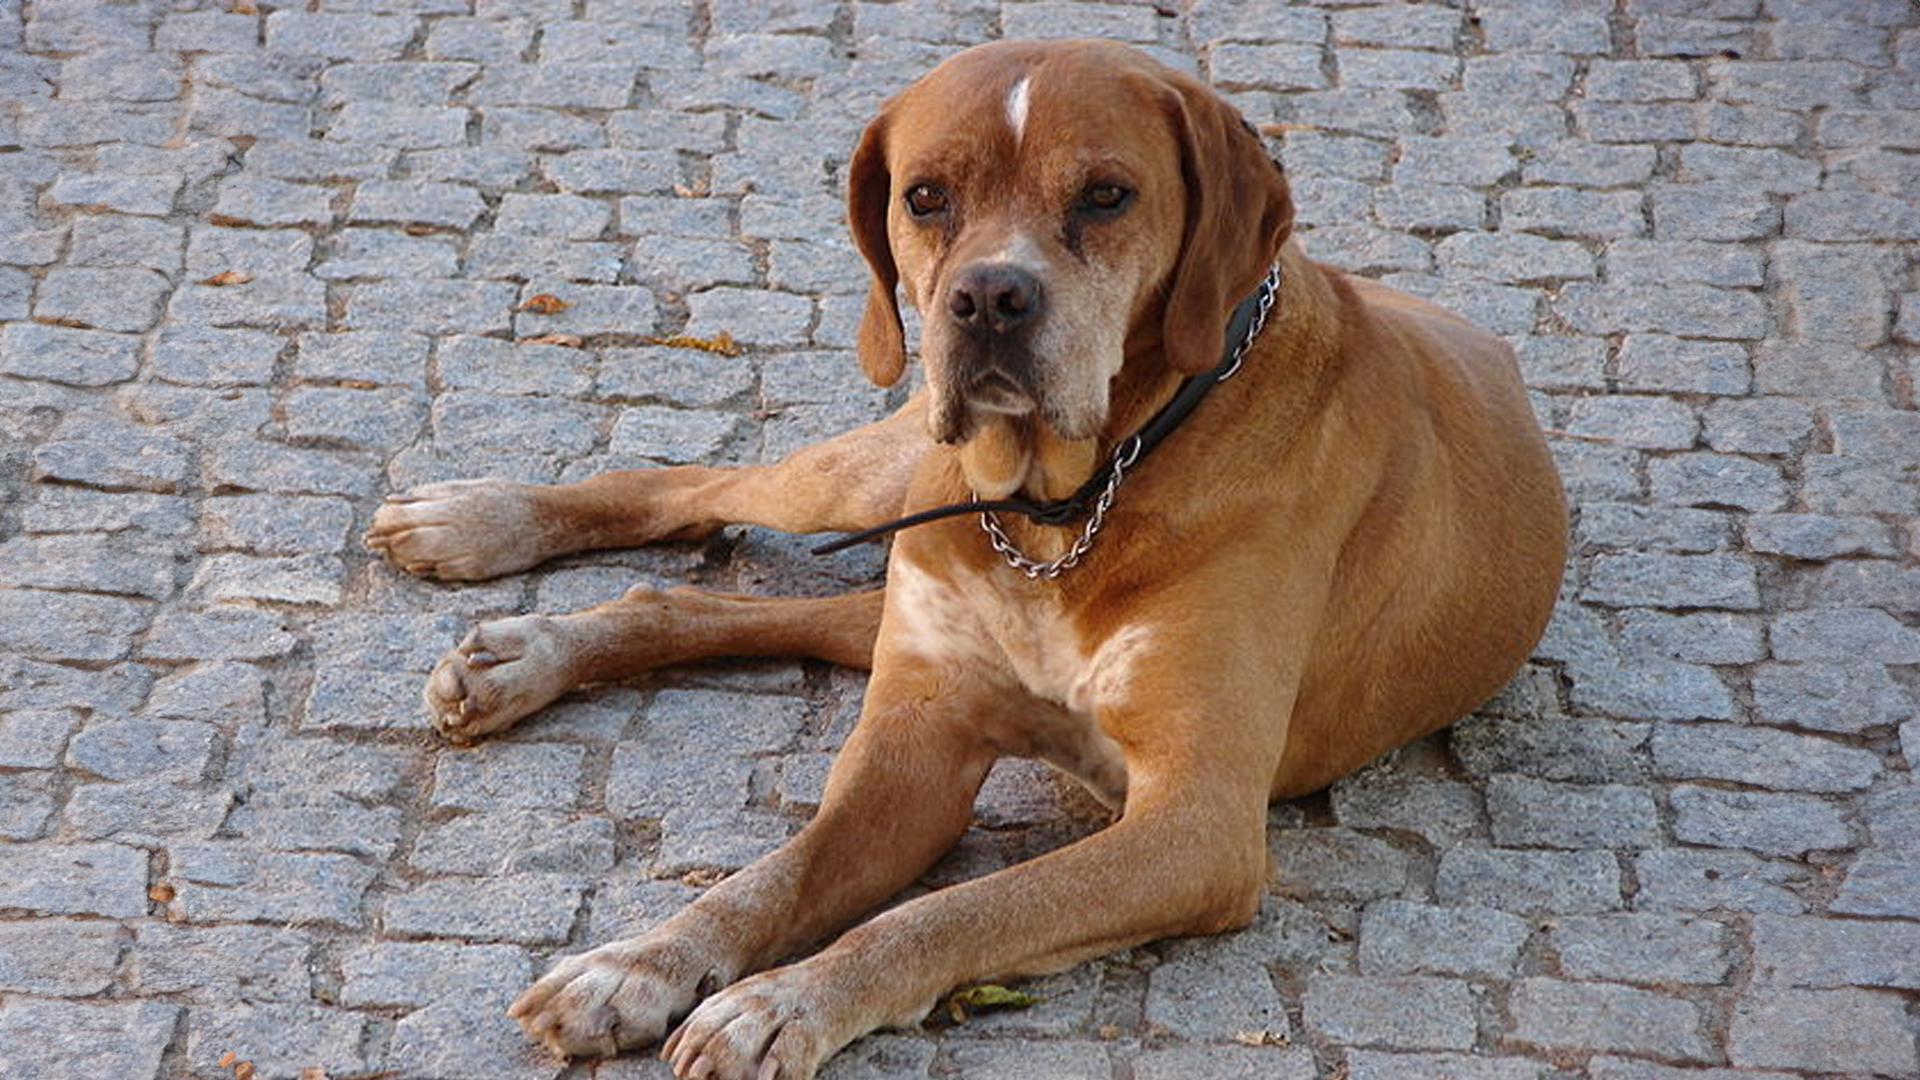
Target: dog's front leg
1187, 856
900, 794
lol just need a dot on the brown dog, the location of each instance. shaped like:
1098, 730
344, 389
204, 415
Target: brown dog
1347, 545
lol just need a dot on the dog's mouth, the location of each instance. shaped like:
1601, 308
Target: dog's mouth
996, 391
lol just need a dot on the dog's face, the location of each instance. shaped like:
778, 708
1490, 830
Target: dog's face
1050, 207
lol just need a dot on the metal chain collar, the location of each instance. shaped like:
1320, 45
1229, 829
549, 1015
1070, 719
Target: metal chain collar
1123, 458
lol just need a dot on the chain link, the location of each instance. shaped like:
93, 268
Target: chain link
1123, 459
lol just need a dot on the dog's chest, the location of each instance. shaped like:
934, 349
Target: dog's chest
1020, 634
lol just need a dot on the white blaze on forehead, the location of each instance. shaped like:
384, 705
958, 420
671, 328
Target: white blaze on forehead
1017, 109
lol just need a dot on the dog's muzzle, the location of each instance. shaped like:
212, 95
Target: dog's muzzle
996, 308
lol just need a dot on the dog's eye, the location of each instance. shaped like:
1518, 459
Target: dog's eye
1104, 198
925, 200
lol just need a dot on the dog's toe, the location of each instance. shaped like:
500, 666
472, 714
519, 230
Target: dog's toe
617, 997
500, 673
461, 530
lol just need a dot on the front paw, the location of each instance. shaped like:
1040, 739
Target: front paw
463, 530
503, 671
778, 1025
616, 997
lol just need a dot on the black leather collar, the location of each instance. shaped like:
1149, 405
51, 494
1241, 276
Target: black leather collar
1242, 326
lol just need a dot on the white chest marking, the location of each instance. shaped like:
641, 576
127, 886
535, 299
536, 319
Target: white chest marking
972, 623
1017, 110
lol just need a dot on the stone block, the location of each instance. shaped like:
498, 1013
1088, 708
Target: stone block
1404, 1012
522, 775
1552, 1014
122, 1039
1644, 949
74, 879
1526, 812
59, 957
1860, 1032
76, 357
1770, 823
222, 964
1399, 937
1529, 882
1336, 864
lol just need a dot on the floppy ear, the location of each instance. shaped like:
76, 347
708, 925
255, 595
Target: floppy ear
882, 343
1239, 212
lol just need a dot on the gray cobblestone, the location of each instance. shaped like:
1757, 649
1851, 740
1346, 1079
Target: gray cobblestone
1569, 211
1688, 879
1336, 864
1844, 634
1407, 1012
1443, 812
34, 739
1649, 950
1761, 426
1540, 813
1375, 1065
59, 957
123, 1038
1651, 423
372, 253
1858, 1031
1766, 822
1589, 751
216, 249
74, 879
1404, 938
1815, 952
221, 963
1529, 882
1550, 1013
268, 203
1622, 526
339, 36
280, 1039
417, 203
1841, 696
120, 241
124, 300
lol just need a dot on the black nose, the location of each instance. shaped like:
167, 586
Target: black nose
994, 298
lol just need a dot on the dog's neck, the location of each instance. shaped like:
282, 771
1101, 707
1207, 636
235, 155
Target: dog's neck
1294, 347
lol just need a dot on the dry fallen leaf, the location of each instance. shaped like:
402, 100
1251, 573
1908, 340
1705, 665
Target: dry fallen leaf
987, 996
703, 878
228, 1058
721, 343
695, 190
162, 892
313, 1072
231, 277
546, 304
243, 1071
572, 341
245, 7
1261, 1038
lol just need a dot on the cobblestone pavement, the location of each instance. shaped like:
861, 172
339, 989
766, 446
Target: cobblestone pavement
1683, 844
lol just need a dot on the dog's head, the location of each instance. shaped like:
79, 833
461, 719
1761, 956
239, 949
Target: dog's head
1050, 207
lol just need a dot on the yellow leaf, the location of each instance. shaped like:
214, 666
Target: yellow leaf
721, 343
987, 996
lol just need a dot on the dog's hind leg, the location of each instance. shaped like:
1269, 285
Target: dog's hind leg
468, 530
507, 669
